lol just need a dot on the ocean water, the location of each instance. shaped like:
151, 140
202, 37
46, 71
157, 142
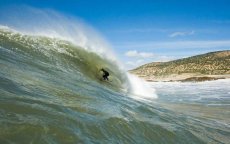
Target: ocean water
51, 92
201, 109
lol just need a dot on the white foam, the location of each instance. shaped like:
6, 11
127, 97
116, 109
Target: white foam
218, 89
140, 88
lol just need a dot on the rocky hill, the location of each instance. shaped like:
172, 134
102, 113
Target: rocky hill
209, 66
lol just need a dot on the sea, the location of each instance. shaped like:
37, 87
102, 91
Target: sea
51, 91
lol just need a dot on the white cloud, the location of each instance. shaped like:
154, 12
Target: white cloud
163, 58
131, 64
168, 50
177, 44
175, 34
135, 63
134, 53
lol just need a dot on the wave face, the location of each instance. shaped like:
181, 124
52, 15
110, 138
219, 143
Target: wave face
39, 54
52, 92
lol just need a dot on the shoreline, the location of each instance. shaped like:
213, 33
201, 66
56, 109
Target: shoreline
192, 79
184, 78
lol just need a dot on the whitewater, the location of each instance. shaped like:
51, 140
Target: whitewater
51, 92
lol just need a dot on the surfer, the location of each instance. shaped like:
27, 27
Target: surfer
105, 74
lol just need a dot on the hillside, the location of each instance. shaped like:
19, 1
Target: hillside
211, 65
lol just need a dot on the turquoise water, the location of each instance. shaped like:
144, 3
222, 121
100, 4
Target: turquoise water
51, 92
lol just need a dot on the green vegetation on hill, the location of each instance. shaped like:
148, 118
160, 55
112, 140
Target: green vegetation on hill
213, 63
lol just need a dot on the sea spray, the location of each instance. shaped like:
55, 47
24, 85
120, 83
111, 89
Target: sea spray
48, 23
140, 88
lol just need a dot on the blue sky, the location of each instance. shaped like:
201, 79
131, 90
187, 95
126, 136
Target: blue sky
142, 31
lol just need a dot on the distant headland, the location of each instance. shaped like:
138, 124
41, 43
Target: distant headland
209, 66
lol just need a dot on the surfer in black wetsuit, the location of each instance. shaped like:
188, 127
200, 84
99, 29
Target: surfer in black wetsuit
105, 74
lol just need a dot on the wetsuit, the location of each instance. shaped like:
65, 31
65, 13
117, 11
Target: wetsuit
105, 74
